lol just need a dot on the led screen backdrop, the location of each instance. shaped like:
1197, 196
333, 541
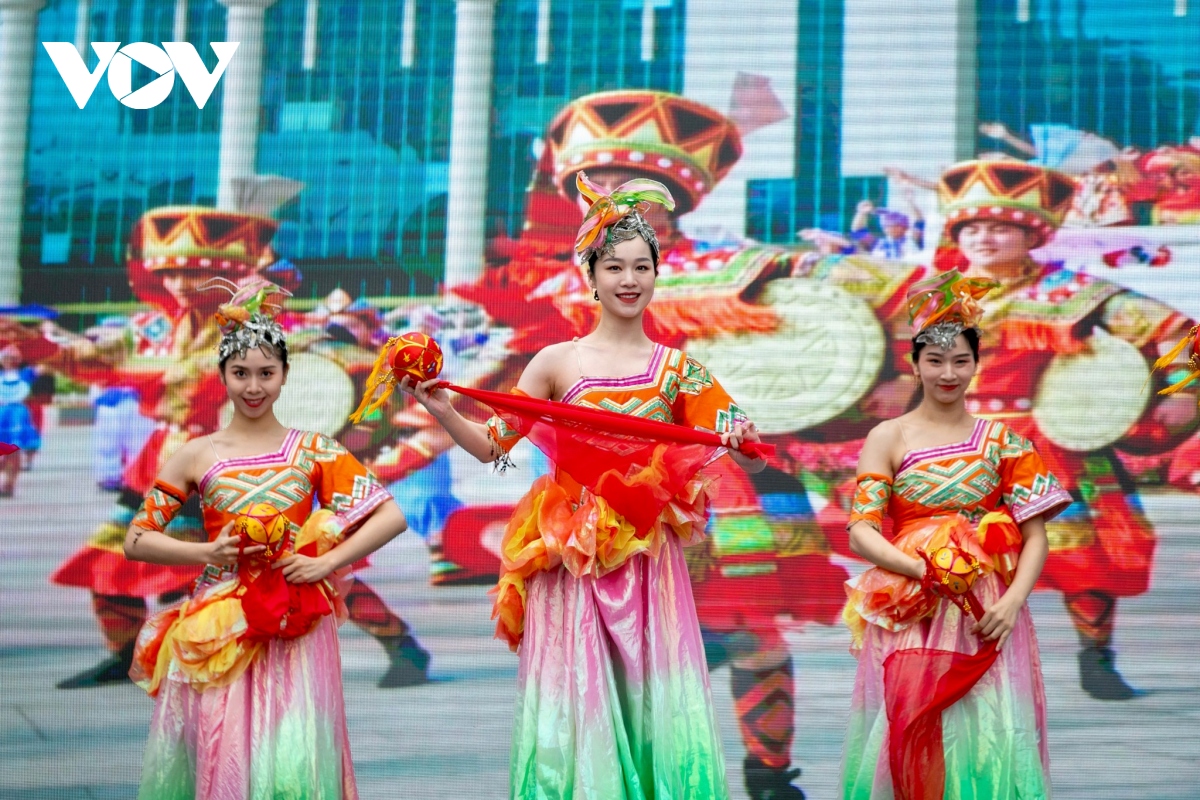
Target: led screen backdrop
409, 166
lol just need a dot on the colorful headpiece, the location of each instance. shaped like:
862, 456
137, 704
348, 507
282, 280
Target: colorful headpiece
1027, 195
1191, 344
231, 244
942, 307
617, 217
248, 320
197, 237
685, 144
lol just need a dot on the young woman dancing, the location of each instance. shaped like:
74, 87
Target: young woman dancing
948, 698
613, 699
246, 672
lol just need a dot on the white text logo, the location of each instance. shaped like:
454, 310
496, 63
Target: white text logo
166, 61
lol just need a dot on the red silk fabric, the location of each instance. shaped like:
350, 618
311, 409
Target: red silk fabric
6, 448
918, 685
637, 465
275, 608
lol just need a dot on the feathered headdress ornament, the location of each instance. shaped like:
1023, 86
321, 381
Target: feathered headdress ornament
942, 307
1190, 343
617, 216
248, 320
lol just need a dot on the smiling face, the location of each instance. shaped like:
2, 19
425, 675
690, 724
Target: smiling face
625, 279
254, 381
996, 247
946, 374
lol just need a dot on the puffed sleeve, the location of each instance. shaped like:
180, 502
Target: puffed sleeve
1028, 487
343, 485
871, 499
698, 400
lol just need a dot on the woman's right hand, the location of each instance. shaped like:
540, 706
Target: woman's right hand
227, 547
427, 393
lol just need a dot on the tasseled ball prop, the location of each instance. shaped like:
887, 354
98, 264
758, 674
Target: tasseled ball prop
413, 354
955, 570
416, 355
262, 524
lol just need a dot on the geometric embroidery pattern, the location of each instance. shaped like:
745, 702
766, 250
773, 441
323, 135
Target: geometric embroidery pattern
968, 477
293, 477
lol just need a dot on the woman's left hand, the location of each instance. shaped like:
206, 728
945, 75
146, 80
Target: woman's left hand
743, 432
304, 569
998, 623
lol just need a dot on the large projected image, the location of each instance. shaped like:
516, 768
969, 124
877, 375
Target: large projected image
413, 167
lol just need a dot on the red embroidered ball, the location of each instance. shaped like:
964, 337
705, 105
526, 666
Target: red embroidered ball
416, 355
954, 569
262, 524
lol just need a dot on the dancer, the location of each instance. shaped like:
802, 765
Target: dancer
246, 672
16, 423
172, 252
939, 683
613, 696
766, 559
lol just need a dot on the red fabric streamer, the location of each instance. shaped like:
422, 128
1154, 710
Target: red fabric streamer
637, 465
919, 684
6, 448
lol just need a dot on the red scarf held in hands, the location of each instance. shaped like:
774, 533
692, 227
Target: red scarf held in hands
918, 685
637, 465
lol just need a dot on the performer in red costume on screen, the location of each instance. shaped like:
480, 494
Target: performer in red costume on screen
173, 252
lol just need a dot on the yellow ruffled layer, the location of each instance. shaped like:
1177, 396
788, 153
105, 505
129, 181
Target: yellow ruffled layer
548, 530
894, 602
201, 638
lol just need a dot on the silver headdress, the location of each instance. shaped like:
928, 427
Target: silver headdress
631, 225
248, 320
942, 334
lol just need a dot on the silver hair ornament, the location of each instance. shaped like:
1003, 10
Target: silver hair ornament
259, 330
941, 335
631, 225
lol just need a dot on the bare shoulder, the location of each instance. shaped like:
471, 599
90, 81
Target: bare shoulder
184, 467
882, 449
548, 370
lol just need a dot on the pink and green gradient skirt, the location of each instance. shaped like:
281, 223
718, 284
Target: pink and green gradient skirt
278, 731
993, 739
613, 699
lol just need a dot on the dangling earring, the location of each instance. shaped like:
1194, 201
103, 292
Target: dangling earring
596, 295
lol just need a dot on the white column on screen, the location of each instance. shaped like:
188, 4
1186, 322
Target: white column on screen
648, 30
1181, 8
242, 86
1022, 10
470, 131
408, 34
179, 24
311, 15
18, 39
543, 32
83, 27
930, 87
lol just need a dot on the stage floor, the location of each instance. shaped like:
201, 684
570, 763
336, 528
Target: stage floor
450, 739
